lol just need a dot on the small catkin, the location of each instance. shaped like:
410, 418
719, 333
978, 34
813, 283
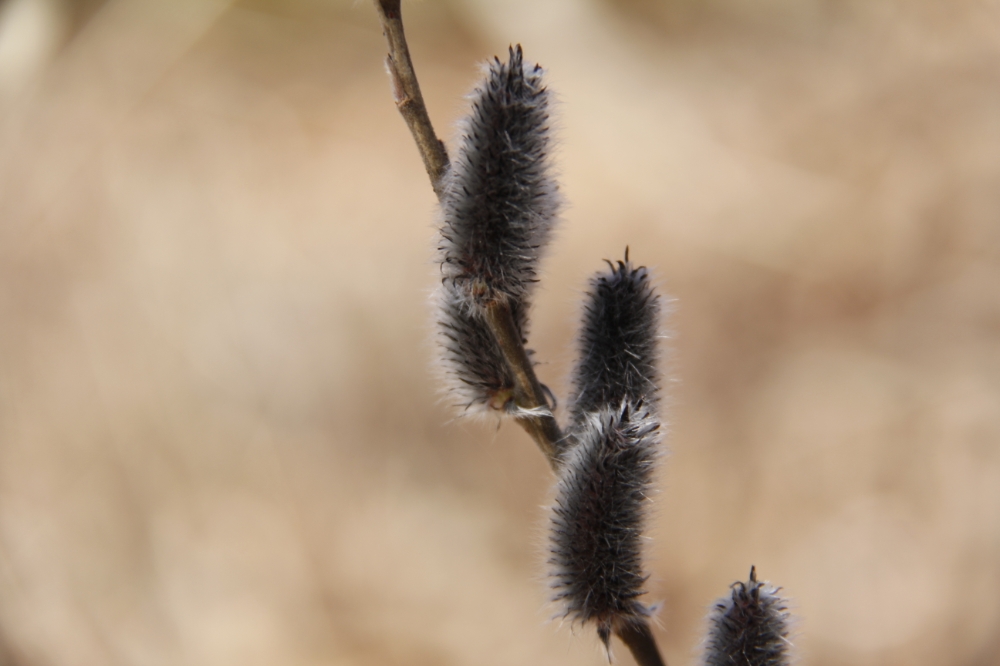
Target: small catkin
476, 376
618, 342
500, 203
598, 517
748, 627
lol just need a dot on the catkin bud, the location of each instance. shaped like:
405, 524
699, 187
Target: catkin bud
748, 627
475, 373
618, 342
599, 513
499, 202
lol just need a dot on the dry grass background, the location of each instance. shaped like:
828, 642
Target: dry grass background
220, 442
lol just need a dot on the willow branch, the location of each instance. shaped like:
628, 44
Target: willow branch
406, 92
535, 416
529, 396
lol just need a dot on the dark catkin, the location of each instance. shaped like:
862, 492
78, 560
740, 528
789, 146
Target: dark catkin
500, 203
598, 517
749, 627
476, 375
618, 341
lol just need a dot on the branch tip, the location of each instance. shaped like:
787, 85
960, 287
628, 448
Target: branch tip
406, 93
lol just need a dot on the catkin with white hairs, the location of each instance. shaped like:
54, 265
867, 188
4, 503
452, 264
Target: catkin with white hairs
618, 339
607, 465
500, 201
598, 518
748, 627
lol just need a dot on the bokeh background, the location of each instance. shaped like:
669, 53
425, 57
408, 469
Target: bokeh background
220, 437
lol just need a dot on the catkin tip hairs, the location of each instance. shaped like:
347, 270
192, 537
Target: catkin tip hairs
618, 341
598, 517
500, 201
748, 627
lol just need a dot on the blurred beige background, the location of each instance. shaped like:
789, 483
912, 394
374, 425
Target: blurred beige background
220, 441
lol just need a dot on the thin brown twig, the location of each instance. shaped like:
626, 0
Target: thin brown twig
638, 638
406, 92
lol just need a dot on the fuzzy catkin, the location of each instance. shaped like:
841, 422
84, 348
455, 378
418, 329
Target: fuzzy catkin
500, 202
476, 374
598, 517
618, 342
748, 627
